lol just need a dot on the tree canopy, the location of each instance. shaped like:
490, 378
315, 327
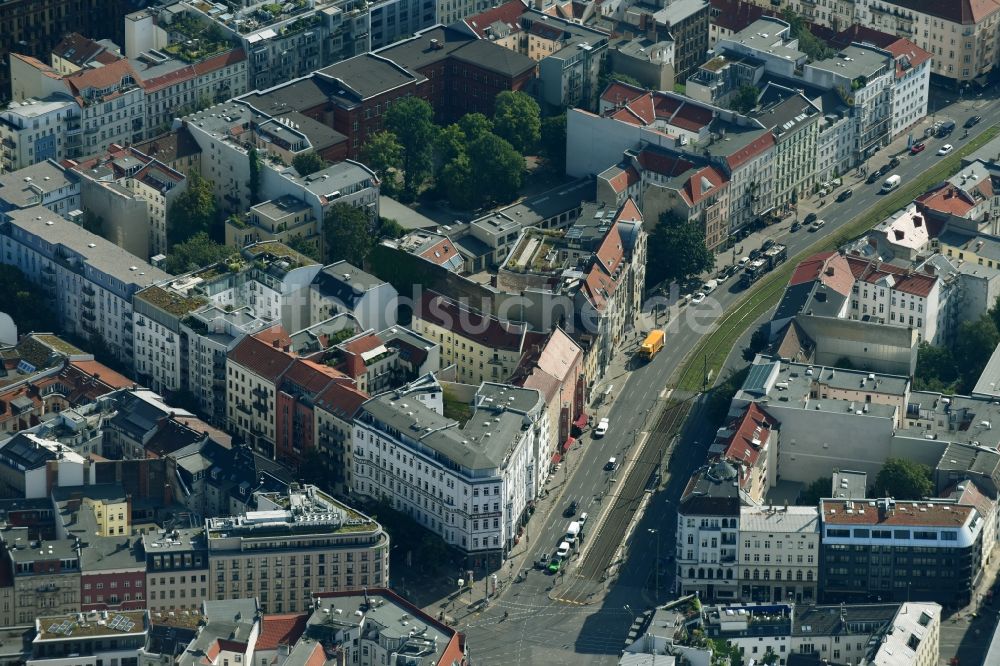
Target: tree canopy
412, 121
903, 479
384, 155
745, 99
808, 42
21, 300
308, 163
936, 369
197, 251
254, 159
815, 491
347, 234
676, 250
307, 246
194, 211
518, 120
475, 125
499, 169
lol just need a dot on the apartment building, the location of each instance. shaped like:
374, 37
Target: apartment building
708, 523
779, 554
91, 280
131, 193
894, 550
176, 569
45, 574
355, 616
795, 122
470, 483
344, 288
749, 442
90, 638
895, 296
686, 24
253, 369
45, 184
293, 546
34, 27
960, 36
36, 130
267, 284
862, 634
378, 362
479, 345
334, 411
76, 52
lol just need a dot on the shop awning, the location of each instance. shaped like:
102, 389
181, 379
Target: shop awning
581, 420
556, 457
568, 443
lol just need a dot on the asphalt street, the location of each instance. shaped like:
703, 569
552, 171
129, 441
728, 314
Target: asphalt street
572, 618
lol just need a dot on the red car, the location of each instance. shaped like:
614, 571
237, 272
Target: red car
916, 148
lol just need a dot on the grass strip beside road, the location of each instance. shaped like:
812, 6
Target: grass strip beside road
713, 349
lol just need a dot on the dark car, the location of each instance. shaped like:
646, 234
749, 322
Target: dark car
795, 226
845, 195
873, 177
767, 245
894, 162
810, 218
972, 122
884, 169
917, 148
571, 509
754, 254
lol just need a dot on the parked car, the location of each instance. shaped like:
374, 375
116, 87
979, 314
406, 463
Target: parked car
697, 298
602, 428
917, 148
611, 464
894, 162
972, 121
845, 195
817, 225
873, 177
554, 565
582, 519
543, 561
767, 245
945, 149
810, 218
563, 551
795, 226
884, 169
571, 509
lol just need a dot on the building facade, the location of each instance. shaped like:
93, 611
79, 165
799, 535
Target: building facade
779, 554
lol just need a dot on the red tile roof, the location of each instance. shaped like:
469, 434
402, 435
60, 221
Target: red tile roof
103, 373
663, 163
509, 13
193, 71
101, 77
629, 212
283, 629
272, 334
440, 253
906, 52
627, 115
624, 180
830, 268
909, 282
931, 514
78, 49
621, 93
461, 320
260, 358
734, 15
948, 199
694, 188
342, 400
311, 376
750, 436
751, 150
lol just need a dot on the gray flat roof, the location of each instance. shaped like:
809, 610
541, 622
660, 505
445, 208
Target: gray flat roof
855, 61
797, 519
988, 384
368, 75
334, 178
679, 10
18, 188
104, 256
417, 52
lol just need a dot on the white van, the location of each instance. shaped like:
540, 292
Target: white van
709, 287
891, 183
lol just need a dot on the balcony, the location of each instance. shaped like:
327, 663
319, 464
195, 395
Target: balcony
89, 316
88, 290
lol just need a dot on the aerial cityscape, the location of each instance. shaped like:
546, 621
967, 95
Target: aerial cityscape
499, 333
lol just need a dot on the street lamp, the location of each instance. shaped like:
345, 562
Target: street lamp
657, 533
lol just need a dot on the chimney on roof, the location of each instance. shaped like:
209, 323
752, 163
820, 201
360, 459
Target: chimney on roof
830, 271
276, 344
436, 45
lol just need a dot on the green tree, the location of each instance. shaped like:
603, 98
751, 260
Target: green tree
995, 313
974, 343
676, 250
903, 479
808, 42
518, 119
607, 76
347, 234
383, 154
308, 246
936, 369
458, 183
499, 169
758, 342
552, 144
25, 303
719, 398
412, 121
745, 99
308, 163
255, 167
474, 126
390, 228
194, 211
815, 491
198, 251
